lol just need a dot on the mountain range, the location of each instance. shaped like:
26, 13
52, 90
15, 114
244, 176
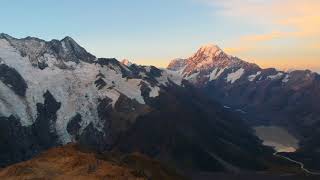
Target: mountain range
195, 116
261, 96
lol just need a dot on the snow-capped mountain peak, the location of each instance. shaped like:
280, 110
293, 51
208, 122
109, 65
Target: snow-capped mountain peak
207, 58
177, 64
207, 52
211, 63
68, 38
4, 36
126, 62
210, 49
64, 54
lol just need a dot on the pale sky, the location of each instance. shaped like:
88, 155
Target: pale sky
272, 33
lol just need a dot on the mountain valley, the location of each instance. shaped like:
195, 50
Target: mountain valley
194, 119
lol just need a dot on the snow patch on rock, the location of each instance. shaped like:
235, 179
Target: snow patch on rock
233, 77
215, 74
193, 77
276, 76
154, 91
254, 76
286, 78
169, 75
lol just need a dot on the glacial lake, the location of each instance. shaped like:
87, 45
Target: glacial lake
278, 138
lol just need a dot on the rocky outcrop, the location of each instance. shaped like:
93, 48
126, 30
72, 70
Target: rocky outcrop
12, 79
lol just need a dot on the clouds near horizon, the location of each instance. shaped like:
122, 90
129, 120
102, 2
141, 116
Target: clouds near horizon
290, 29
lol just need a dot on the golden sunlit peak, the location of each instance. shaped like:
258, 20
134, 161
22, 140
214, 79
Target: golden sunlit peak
209, 50
210, 47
